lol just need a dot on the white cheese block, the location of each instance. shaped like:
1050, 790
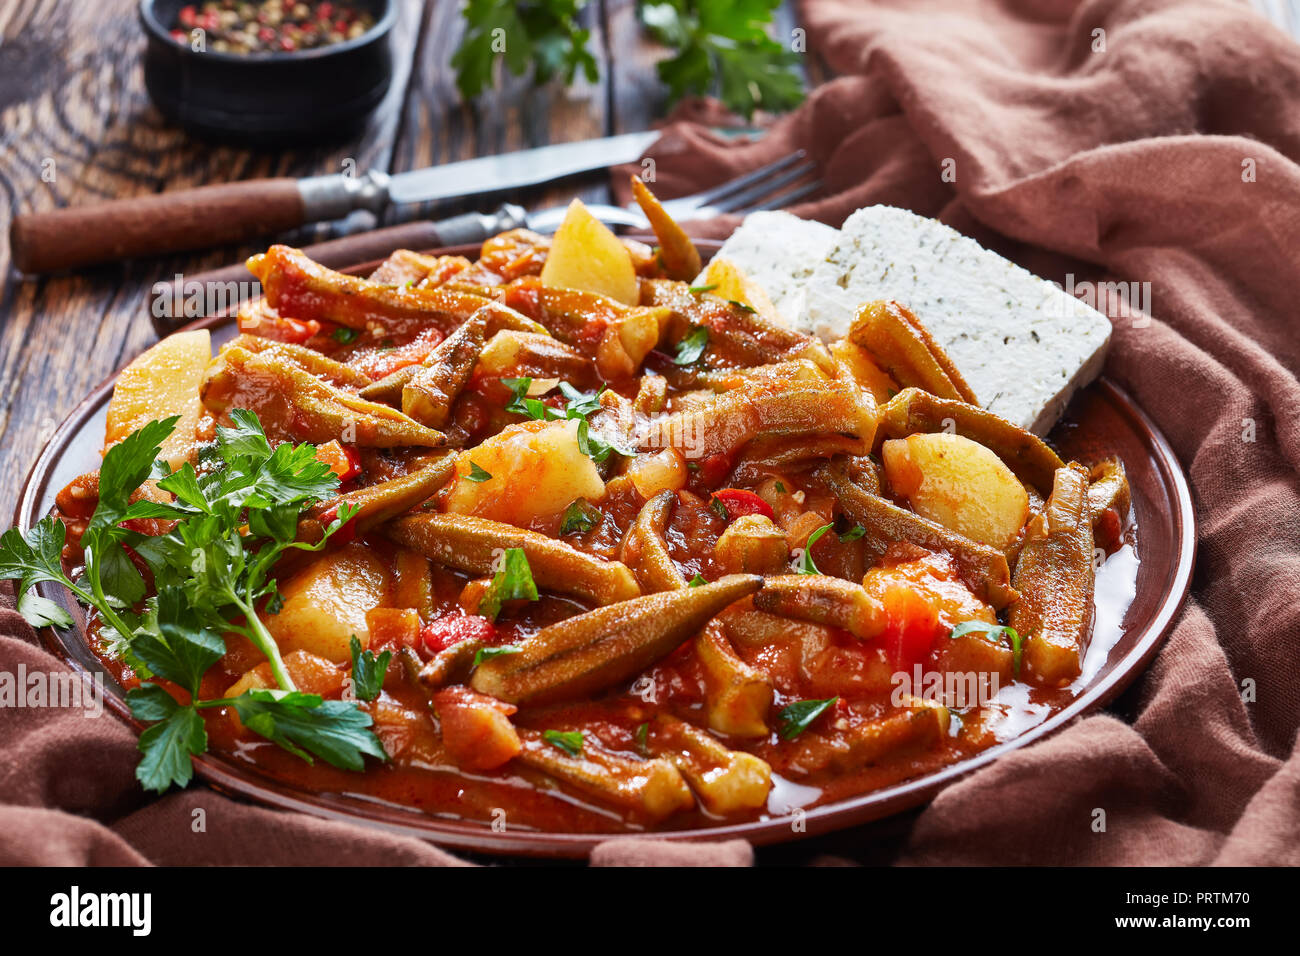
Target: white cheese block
779, 251
1022, 343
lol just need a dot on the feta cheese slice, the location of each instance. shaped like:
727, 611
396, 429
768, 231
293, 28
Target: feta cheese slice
778, 251
1022, 343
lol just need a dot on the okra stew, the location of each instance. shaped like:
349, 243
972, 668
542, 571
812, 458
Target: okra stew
568, 537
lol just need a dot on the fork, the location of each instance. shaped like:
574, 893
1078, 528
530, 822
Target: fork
752, 192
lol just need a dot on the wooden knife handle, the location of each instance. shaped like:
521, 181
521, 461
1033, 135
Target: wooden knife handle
151, 225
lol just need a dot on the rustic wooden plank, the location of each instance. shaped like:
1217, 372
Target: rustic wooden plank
71, 92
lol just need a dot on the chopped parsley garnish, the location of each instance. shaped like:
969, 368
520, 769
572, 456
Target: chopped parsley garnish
367, 670
487, 653
799, 716
806, 565
597, 448
345, 335
696, 581
518, 391
570, 741
719, 508
580, 515
513, 582
996, 631
701, 289
643, 738
477, 474
691, 349
853, 533
741, 305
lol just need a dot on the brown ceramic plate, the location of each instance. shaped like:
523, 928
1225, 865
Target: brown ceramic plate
1102, 420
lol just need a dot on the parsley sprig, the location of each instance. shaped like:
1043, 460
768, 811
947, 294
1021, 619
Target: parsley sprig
723, 49
579, 405
212, 574
543, 34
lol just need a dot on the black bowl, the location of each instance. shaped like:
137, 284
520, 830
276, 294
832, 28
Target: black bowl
268, 99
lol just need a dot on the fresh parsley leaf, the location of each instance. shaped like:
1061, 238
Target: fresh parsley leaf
518, 390
698, 580
691, 348
35, 558
538, 410
597, 448
723, 49
337, 731
168, 744
345, 335
477, 474
799, 716
126, 465
997, 632
513, 582
173, 643
42, 612
806, 564
570, 741
580, 404
580, 515
244, 439
543, 34
487, 653
367, 670
853, 533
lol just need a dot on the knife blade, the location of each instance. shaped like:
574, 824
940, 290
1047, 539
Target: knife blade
472, 177
231, 213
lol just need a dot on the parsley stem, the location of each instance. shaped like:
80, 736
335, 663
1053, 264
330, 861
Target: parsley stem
100, 601
257, 633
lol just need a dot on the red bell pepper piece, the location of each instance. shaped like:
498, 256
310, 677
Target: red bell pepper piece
451, 629
739, 502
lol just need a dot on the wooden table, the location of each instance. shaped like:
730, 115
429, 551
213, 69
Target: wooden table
76, 126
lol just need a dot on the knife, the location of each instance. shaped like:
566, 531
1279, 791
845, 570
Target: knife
167, 298
230, 213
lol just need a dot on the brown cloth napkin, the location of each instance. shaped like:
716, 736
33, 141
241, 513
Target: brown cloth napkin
1166, 154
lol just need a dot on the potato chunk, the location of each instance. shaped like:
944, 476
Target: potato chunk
535, 469
326, 603
585, 255
161, 382
960, 484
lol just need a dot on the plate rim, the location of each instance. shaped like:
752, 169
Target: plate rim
247, 784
